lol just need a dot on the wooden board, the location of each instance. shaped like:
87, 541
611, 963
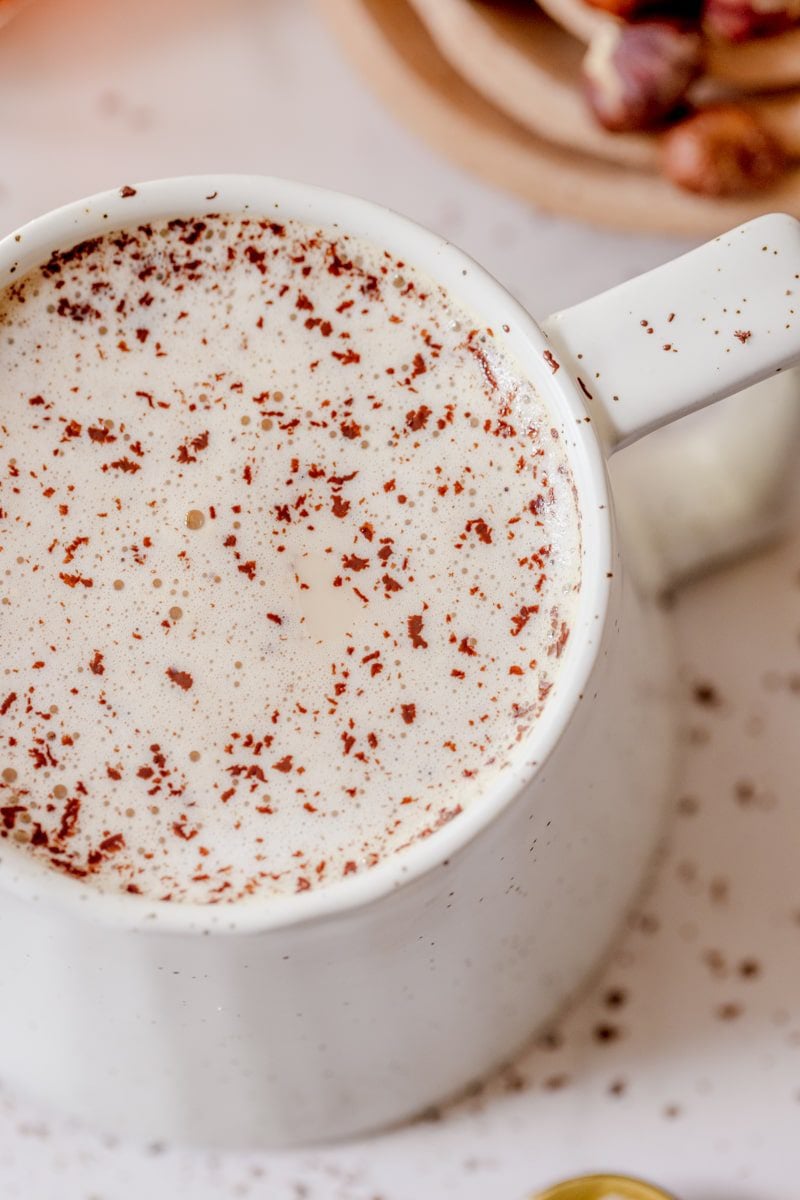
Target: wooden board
396, 53
530, 69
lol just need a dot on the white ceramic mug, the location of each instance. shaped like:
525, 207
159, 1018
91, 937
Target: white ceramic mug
319, 1015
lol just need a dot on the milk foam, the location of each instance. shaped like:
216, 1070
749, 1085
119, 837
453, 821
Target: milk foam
289, 554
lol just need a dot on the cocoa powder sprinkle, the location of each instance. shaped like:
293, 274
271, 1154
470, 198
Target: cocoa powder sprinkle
373, 494
182, 678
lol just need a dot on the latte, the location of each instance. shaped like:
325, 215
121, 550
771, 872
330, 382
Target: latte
289, 557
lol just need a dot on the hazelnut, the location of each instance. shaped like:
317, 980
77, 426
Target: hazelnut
721, 151
637, 10
740, 20
626, 10
636, 76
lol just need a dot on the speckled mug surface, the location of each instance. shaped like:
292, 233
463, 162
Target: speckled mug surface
321, 1014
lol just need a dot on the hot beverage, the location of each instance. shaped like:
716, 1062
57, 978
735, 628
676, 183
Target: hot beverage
289, 555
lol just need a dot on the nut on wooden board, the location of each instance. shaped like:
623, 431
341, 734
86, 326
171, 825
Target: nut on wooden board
497, 88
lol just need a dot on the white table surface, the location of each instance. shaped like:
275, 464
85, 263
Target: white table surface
698, 1084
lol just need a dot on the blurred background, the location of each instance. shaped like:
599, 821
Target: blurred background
683, 1061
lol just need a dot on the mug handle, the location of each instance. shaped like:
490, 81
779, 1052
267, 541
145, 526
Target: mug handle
689, 333
673, 341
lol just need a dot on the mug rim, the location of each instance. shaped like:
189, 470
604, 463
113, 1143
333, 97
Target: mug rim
479, 292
